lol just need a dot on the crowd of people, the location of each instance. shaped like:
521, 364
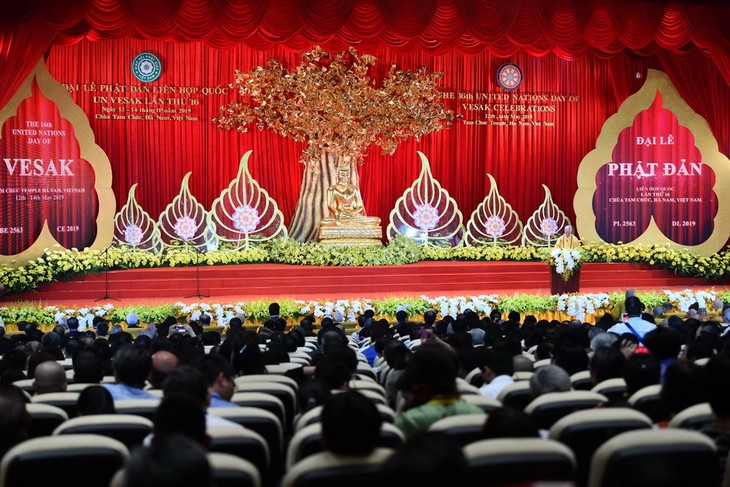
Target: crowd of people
418, 364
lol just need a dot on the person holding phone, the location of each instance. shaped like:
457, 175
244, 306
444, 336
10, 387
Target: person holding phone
632, 321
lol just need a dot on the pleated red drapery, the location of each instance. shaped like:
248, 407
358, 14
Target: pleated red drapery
567, 27
562, 39
157, 154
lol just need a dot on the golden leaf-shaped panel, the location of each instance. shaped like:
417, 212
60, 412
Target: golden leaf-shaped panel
244, 213
426, 213
185, 220
56, 186
546, 224
494, 222
135, 227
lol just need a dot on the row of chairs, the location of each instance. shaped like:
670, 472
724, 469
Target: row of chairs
646, 400
254, 443
567, 455
102, 461
629, 459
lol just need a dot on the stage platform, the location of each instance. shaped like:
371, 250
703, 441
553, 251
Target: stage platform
261, 281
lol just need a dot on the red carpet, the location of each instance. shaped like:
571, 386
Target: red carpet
245, 282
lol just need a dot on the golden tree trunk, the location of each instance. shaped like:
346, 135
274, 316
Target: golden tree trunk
312, 204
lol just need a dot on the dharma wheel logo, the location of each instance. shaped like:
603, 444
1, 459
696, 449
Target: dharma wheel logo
509, 76
146, 67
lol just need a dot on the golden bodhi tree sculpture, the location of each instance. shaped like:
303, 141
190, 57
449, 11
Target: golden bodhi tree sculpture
331, 102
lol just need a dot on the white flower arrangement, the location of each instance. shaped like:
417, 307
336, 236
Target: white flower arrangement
84, 315
349, 310
576, 306
455, 305
565, 261
580, 305
221, 314
682, 300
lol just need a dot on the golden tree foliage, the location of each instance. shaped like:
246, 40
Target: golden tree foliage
331, 102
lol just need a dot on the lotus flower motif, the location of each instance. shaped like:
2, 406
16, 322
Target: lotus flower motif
545, 223
244, 212
426, 217
186, 219
494, 221
426, 213
548, 226
185, 227
246, 218
134, 226
495, 226
133, 234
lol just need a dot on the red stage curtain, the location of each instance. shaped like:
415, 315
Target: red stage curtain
21, 48
568, 28
158, 154
463, 37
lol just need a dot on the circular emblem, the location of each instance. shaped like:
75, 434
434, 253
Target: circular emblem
509, 76
146, 67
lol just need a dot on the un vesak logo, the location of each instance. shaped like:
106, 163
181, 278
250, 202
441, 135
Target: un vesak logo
509, 76
146, 67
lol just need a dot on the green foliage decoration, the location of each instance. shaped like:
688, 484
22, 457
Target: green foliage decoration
60, 264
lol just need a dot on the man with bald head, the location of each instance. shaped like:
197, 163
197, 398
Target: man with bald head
163, 362
568, 240
50, 376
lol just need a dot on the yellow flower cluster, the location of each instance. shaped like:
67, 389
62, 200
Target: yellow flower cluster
58, 263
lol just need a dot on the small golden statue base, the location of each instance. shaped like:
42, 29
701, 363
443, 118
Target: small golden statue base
350, 235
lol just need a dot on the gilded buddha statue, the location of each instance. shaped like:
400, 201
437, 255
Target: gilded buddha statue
348, 224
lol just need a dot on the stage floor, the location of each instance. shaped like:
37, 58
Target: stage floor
227, 284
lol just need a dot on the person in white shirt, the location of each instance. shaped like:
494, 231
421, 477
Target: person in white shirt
635, 324
497, 370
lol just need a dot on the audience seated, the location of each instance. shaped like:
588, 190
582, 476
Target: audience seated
88, 367
221, 381
350, 424
163, 362
682, 386
664, 344
189, 381
430, 460
716, 381
172, 460
497, 369
636, 324
51, 343
606, 363
550, 378
95, 400
14, 419
508, 422
397, 355
132, 366
429, 388
641, 370
49, 377
244, 354
422, 384
570, 356
177, 414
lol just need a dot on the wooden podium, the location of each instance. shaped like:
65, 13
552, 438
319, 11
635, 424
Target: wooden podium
560, 286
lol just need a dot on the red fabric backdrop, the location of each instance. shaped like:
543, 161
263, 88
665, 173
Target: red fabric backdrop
157, 154
567, 27
558, 41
